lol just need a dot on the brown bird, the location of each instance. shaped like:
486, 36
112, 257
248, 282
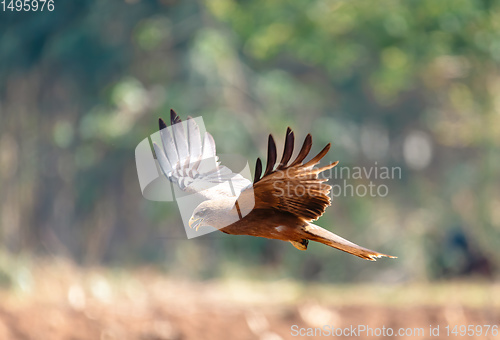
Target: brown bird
280, 204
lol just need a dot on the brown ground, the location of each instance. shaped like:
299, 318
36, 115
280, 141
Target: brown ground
59, 302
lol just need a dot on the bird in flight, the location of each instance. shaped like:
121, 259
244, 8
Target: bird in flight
279, 204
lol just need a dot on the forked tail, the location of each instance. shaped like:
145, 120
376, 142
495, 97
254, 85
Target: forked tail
318, 234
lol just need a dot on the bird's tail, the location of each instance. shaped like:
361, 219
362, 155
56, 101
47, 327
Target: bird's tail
318, 234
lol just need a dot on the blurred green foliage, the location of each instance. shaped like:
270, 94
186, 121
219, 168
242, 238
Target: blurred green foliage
411, 84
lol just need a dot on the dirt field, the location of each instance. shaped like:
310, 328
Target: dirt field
60, 302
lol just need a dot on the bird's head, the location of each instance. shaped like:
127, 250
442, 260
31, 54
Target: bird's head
214, 213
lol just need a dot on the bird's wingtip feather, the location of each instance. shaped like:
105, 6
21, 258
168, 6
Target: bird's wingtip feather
161, 123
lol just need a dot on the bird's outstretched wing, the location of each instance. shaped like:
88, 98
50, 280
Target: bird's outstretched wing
295, 187
192, 163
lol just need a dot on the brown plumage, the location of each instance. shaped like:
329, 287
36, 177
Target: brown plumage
287, 198
280, 204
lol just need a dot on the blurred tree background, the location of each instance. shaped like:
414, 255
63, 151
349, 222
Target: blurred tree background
411, 84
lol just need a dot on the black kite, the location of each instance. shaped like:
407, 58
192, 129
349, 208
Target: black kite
280, 204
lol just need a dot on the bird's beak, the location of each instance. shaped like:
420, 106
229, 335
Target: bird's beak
195, 223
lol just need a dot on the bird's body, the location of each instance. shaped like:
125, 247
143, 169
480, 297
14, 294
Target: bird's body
280, 204
271, 224
268, 223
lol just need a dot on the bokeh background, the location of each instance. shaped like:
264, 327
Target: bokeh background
407, 84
